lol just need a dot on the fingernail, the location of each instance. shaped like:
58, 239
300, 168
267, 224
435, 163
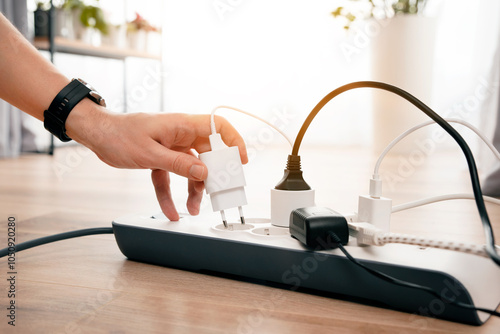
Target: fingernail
196, 172
199, 187
195, 211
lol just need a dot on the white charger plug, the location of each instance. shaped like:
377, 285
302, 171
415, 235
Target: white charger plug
225, 182
375, 209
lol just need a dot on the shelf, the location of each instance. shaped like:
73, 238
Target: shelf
80, 48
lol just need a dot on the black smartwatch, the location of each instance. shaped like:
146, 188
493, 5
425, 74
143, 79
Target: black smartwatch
55, 117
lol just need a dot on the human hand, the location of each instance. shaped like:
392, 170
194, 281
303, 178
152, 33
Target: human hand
160, 142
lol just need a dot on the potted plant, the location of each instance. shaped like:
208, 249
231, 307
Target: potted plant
66, 12
41, 16
367, 9
116, 36
93, 20
68, 19
400, 40
139, 32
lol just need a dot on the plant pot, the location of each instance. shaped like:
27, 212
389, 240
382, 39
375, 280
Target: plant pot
78, 28
117, 36
41, 23
137, 40
91, 36
64, 24
403, 56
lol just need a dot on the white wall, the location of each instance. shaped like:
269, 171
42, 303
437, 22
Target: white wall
265, 56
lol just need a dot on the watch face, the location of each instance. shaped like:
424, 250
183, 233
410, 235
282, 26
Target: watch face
97, 98
93, 95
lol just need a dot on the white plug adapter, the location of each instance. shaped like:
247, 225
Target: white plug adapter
283, 202
375, 209
225, 182
292, 192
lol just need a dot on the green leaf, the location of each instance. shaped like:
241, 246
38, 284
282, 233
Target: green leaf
337, 12
92, 16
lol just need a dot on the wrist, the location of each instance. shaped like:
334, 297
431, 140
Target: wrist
66, 100
84, 123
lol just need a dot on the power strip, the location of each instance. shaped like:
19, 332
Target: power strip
259, 250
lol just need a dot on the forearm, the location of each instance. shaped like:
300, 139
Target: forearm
27, 80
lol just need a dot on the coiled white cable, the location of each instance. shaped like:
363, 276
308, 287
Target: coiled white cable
368, 234
464, 247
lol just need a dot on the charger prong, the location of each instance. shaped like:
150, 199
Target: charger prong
242, 218
223, 215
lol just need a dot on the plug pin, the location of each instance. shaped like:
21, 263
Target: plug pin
242, 218
223, 215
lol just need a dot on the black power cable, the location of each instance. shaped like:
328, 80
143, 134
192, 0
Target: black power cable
488, 230
406, 284
56, 237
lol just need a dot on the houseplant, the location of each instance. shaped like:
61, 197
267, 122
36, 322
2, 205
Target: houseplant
382, 9
142, 34
93, 20
400, 39
67, 18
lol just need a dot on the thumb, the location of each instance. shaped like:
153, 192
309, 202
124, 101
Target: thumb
183, 164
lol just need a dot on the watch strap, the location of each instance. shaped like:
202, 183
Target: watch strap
57, 113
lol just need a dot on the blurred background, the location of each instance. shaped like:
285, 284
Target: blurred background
276, 59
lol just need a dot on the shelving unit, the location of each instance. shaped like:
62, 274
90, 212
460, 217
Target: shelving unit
80, 48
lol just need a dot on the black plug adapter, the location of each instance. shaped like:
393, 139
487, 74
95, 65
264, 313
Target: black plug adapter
292, 178
312, 226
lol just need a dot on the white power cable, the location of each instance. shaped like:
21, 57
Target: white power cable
214, 129
415, 128
425, 201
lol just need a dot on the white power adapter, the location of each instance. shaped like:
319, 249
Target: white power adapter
225, 182
375, 209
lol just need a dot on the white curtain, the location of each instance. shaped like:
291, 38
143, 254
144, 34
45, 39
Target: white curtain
491, 185
14, 136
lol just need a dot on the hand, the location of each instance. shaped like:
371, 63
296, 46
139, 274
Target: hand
160, 142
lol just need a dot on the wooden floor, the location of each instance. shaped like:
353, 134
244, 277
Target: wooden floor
86, 285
